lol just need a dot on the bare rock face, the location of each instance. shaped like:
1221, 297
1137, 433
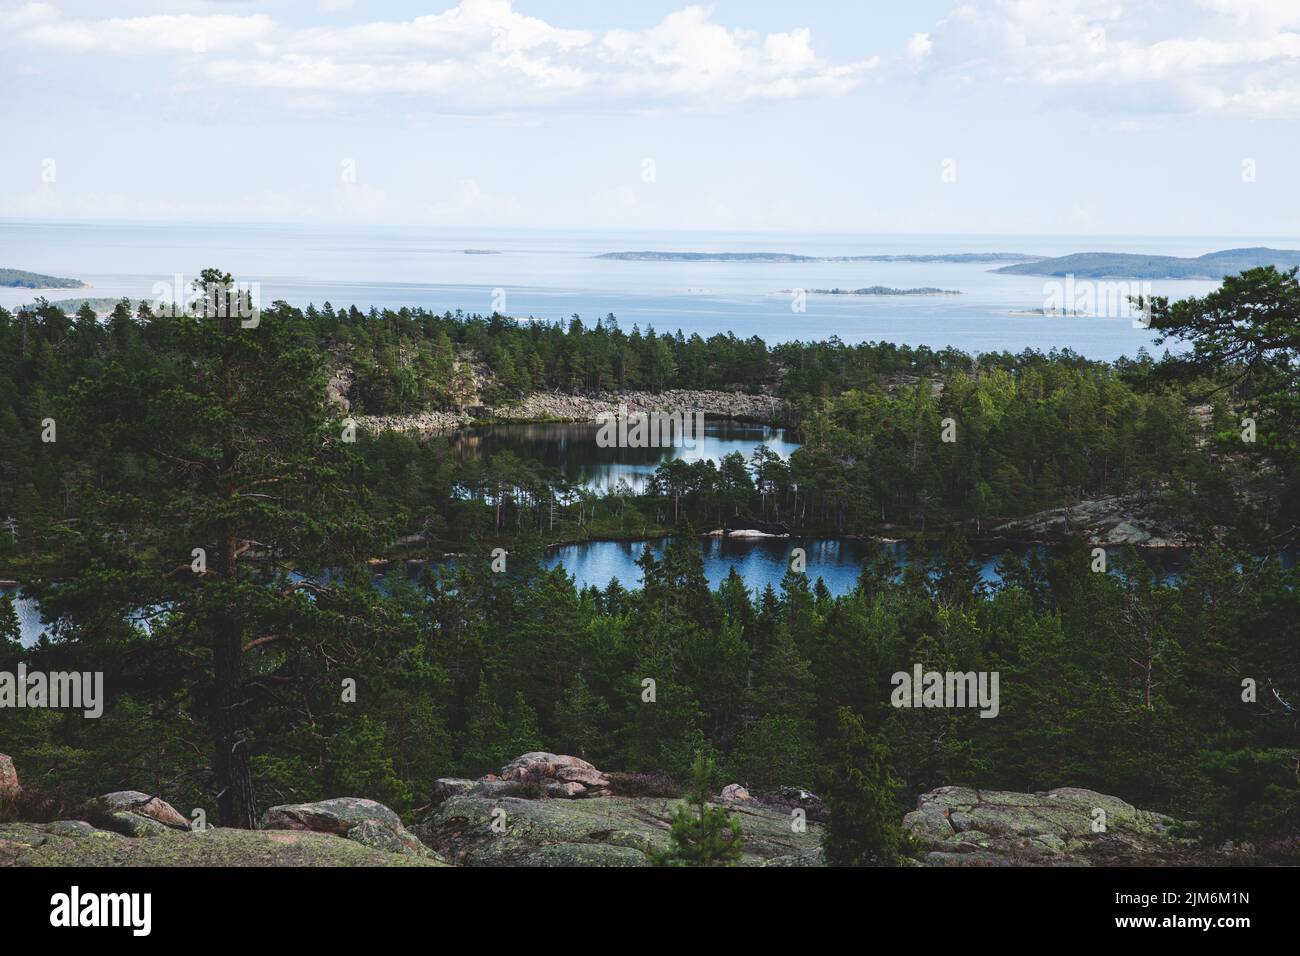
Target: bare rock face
446, 787
735, 793
133, 813
362, 821
540, 763
552, 775
553, 406
615, 831
8, 777
1110, 522
960, 826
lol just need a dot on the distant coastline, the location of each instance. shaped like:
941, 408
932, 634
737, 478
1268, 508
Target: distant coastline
876, 290
22, 279
791, 257
1212, 266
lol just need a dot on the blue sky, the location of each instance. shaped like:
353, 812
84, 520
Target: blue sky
970, 116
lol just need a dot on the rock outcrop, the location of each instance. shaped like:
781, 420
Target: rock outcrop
476, 830
735, 793
1107, 522
135, 814
532, 775
76, 843
446, 787
739, 526
558, 407
363, 821
9, 786
959, 826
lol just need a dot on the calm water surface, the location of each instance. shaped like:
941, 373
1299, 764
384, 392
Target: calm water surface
571, 450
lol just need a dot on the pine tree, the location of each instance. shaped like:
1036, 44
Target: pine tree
701, 835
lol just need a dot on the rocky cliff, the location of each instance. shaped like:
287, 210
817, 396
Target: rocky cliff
558, 407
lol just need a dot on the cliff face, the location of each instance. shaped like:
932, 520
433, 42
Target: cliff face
554, 406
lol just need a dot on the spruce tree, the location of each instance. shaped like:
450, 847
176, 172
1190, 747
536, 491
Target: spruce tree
701, 835
862, 830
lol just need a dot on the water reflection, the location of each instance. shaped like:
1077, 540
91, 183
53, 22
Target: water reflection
571, 450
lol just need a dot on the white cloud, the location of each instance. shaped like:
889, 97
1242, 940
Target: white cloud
39, 25
1234, 57
480, 55
919, 48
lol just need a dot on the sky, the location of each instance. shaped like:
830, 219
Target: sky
1143, 117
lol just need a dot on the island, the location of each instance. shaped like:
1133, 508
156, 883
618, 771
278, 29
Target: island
101, 306
875, 290
1121, 265
22, 279
791, 257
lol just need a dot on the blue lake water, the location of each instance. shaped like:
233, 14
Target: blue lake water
761, 561
572, 451
764, 561
553, 275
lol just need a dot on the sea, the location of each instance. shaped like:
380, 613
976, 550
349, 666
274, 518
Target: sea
554, 275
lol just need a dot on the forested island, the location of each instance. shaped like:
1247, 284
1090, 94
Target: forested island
771, 257
878, 290
100, 305
21, 279
197, 506
1122, 265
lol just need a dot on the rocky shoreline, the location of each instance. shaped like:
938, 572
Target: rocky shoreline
1107, 522
559, 407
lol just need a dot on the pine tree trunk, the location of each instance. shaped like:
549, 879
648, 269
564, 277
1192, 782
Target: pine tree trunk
236, 804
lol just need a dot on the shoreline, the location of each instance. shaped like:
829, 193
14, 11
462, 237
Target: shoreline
541, 408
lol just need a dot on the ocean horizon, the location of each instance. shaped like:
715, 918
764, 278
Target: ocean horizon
553, 275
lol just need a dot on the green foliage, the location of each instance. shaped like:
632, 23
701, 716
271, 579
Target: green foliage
863, 828
1125, 683
701, 834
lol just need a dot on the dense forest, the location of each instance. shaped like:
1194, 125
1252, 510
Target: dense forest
127, 444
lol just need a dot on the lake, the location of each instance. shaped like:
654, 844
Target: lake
761, 561
571, 450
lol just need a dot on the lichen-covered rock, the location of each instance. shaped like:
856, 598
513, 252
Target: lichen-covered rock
8, 777
615, 831
585, 776
539, 763
445, 787
363, 821
35, 844
1111, 522
960, 826
70, 827
565, 790
135, 814
541, 773
22, 833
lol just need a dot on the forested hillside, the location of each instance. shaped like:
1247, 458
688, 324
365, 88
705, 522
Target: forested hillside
180, 433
